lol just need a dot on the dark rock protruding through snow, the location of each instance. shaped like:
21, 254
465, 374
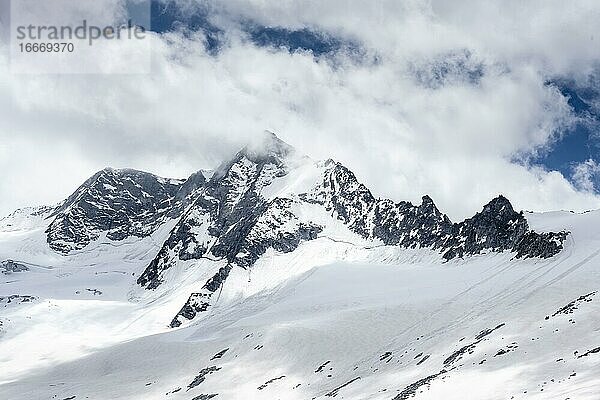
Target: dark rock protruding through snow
233, 217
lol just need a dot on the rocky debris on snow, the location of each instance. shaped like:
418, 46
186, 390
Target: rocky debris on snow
9, 266
572, 306
470, 348
411, 389
95, 292
511, 347
173, 391
487, 332
386, 356
322, 366
202, 376
587, 353
264, 385
219, 354
457, 355
205, 396
336, 391
16, 299
422, 360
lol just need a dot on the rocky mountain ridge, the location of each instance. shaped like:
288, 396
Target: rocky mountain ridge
236, 215
120, 203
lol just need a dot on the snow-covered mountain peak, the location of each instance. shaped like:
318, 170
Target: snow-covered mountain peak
267, 145
265, 155
269, 198
498, 206
273, 230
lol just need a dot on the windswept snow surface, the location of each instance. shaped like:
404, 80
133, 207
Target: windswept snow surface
338, 317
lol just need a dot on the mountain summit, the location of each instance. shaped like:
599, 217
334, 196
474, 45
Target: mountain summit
288, 276
270, 198
268, 145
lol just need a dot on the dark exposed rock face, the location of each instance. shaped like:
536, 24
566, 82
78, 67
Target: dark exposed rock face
412, 389
542, 245
498, 227
10, 266
16, 299
205, 396
121, 203
220, 354
201, 377
199, 302
401, 224
336, 391
267, 383
589, 352
231, 221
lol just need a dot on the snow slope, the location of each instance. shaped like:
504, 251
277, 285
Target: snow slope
306, 324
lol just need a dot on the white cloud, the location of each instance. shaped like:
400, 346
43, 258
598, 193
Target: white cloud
585, 173
456, 142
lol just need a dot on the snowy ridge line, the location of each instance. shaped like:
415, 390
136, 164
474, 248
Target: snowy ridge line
267, 198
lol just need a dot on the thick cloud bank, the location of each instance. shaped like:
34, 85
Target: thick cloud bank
445, 98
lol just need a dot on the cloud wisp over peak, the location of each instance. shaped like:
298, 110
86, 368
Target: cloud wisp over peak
415, 97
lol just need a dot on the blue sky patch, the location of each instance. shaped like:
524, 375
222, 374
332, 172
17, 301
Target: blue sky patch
295, 40
580, 143
167, 16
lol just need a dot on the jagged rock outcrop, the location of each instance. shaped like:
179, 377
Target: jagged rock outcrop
498, 227
120, 203
400, 223
200, 301
10, 266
